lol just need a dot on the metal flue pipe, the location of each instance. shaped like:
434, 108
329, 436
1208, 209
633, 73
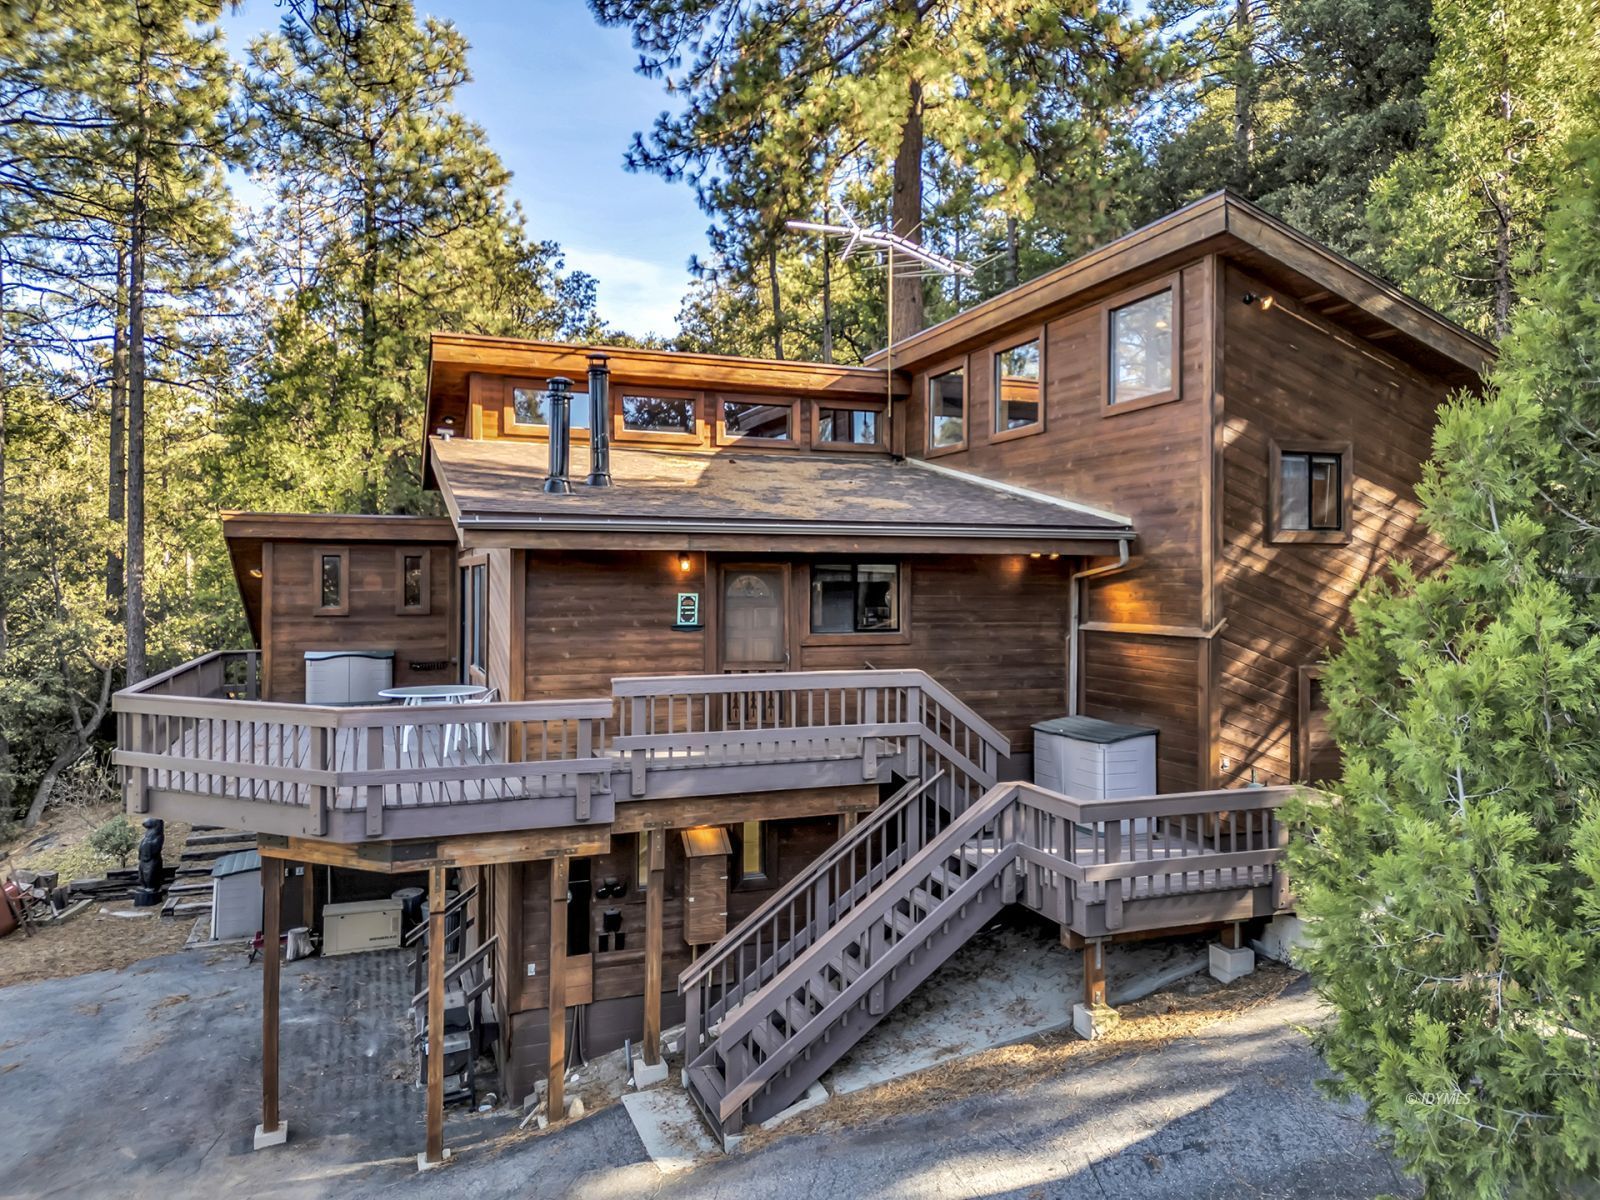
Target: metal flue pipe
558, 393
599, 421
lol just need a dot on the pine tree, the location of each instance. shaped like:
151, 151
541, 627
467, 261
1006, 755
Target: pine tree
784, 101
1510, 86
1452, 891
390, 220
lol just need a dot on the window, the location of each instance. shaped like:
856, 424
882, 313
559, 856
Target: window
1142, 351
947, 410
752, 853
846, 426
1018, 398
762, 420
412, 568
1317, 755
659, 414
1310, 493
855, 598
331, 566
530, 406
474, 617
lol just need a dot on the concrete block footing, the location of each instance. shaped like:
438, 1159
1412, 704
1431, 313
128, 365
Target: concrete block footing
276, 1137
1089, 1023
1228, 965
645, 1075
424, 1165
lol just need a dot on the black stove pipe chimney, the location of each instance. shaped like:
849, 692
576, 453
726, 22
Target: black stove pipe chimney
558, 391
599, 421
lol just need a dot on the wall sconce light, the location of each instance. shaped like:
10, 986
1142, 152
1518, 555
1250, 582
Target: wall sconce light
685, 562
1035, 554
1264, 301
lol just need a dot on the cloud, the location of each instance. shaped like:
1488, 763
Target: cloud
636, 295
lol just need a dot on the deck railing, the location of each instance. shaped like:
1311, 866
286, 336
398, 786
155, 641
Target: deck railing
196, 742
353, 772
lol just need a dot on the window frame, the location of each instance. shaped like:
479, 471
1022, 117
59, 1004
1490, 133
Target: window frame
996, 434
1278, 535
945, 368
469, 622
620, 433
719, 401
767, 878
342, 608
802, 604
1305, 675
510, 427
1124, 299
401, 608
877, 446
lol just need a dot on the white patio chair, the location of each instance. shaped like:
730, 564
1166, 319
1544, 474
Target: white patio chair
480, 733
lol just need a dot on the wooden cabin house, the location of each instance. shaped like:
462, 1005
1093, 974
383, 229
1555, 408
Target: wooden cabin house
761, 645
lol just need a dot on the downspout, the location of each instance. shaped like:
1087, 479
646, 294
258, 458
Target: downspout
1074, 606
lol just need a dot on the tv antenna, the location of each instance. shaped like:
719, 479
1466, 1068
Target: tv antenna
857, 235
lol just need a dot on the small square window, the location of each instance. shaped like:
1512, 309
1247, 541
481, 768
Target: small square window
1310, 493
1141, 351
531, 406
659, 414
947, 410
753, 419
847, 426
1018, 398
855, 598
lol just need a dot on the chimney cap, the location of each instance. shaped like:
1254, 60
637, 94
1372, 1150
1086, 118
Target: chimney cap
598, 358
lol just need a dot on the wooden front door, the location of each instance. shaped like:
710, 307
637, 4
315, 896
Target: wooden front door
754, 619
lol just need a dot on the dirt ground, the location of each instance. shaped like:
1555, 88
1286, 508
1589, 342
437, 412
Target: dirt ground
93, 940
1147, 1026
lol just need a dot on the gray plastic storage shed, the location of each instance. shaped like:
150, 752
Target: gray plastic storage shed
236, 895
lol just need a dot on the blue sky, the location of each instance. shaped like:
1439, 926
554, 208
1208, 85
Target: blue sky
559, 99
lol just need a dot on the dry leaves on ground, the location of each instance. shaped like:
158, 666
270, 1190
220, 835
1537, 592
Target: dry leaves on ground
1147, 1025
90, 941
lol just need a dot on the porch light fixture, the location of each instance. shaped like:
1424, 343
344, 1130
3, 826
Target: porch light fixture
1252, 298
685, 562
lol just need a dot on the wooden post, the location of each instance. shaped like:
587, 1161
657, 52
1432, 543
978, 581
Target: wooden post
436, 905
555, 1107
1233, 935
271, 909
308, 896
1094, 975
654, 907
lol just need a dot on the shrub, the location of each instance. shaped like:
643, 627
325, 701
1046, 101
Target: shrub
115, 839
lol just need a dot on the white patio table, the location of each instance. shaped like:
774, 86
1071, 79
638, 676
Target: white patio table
434, 693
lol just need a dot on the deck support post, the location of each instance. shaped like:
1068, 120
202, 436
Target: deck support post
308, 896
1230, 958
1094, 1016
272, 1131
555, 1106
653, 1069
435, 1153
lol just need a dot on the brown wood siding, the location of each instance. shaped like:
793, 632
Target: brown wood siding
1146, 464
1151, 681
992, 629
373, 591
1289, 374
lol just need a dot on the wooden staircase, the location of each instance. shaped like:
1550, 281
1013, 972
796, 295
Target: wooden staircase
785, 995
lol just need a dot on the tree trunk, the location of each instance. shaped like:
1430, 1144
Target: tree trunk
117, 474
1504, 288
1013, 254
5, 747
137, 633
777, 300
906, 216
1244, 84
82, 732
